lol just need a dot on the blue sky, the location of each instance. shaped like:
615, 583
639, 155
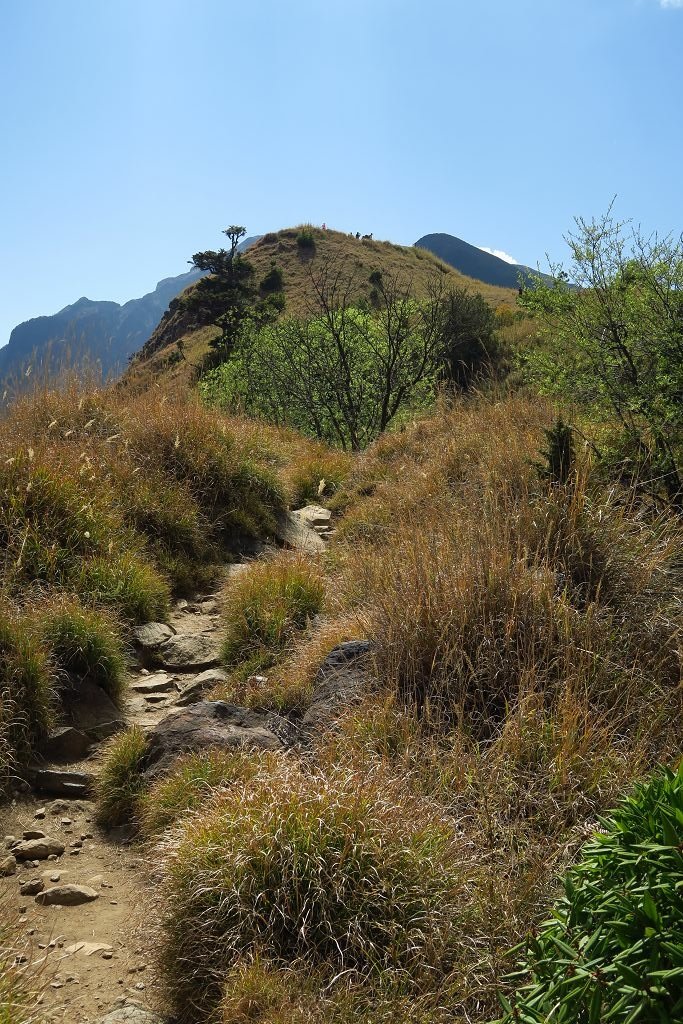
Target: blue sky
133, 131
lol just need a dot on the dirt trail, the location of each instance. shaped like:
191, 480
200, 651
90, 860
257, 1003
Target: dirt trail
92, 958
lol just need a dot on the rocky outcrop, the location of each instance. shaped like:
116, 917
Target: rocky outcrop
218, 725
344, 676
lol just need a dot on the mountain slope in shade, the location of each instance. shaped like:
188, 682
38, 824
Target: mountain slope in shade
101, 335
474, 262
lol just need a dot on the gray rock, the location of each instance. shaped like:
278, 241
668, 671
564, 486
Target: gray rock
32, 833
186, 651
131, 1015
59, 783
152, 635
160, 682
32, 887
92, 711
38, 849
314, 516
67, 895
192, 693
208, 724
293, 532
8, 866
340, 681
66, 744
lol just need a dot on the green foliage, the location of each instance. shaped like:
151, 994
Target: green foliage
305, 240
470, 346
227, 297
614, 340
342, 875
273, 280
267, 606
341, 378
120, 782
613, 949
84, 642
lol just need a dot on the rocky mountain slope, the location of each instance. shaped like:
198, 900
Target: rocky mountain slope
87, 333
474, 262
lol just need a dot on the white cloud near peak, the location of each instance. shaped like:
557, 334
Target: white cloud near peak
506, 255
671, 3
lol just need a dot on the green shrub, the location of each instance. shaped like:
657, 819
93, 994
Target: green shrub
120, 782
189, 784
305, 240
342, 874
267, 605
273, 280
612, 950
85, 642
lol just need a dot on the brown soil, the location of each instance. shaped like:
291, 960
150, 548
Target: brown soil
91, 958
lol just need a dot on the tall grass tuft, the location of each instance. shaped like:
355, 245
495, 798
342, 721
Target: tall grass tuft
344, 873
119, 781
267, 606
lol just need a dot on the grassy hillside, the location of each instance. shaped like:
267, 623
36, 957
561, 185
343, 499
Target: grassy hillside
526, 665
158, 362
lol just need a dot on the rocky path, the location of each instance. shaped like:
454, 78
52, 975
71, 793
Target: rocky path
79, 893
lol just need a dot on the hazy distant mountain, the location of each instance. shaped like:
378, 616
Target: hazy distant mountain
474, 262
100, 335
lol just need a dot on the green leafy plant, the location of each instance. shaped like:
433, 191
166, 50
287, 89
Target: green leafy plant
612, 951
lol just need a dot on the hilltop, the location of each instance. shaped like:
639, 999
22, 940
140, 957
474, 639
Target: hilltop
158, 360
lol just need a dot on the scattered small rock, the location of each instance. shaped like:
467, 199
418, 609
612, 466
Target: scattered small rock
68, 895
38, 849
32, 887
8, 866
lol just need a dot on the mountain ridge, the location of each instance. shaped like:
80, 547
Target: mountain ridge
475, 262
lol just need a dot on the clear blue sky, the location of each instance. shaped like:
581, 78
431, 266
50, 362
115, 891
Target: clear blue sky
133, 131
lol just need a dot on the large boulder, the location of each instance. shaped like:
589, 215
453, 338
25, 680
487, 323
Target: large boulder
342, 679
90, 710
214, 724
186, 651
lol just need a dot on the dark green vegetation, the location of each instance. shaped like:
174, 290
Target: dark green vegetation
613, 950
352, 366
615, 346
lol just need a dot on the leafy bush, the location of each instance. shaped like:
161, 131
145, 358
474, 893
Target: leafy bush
83, 641
267, 605
344, 874
273, 280
305, 240
119, 781
612, 950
